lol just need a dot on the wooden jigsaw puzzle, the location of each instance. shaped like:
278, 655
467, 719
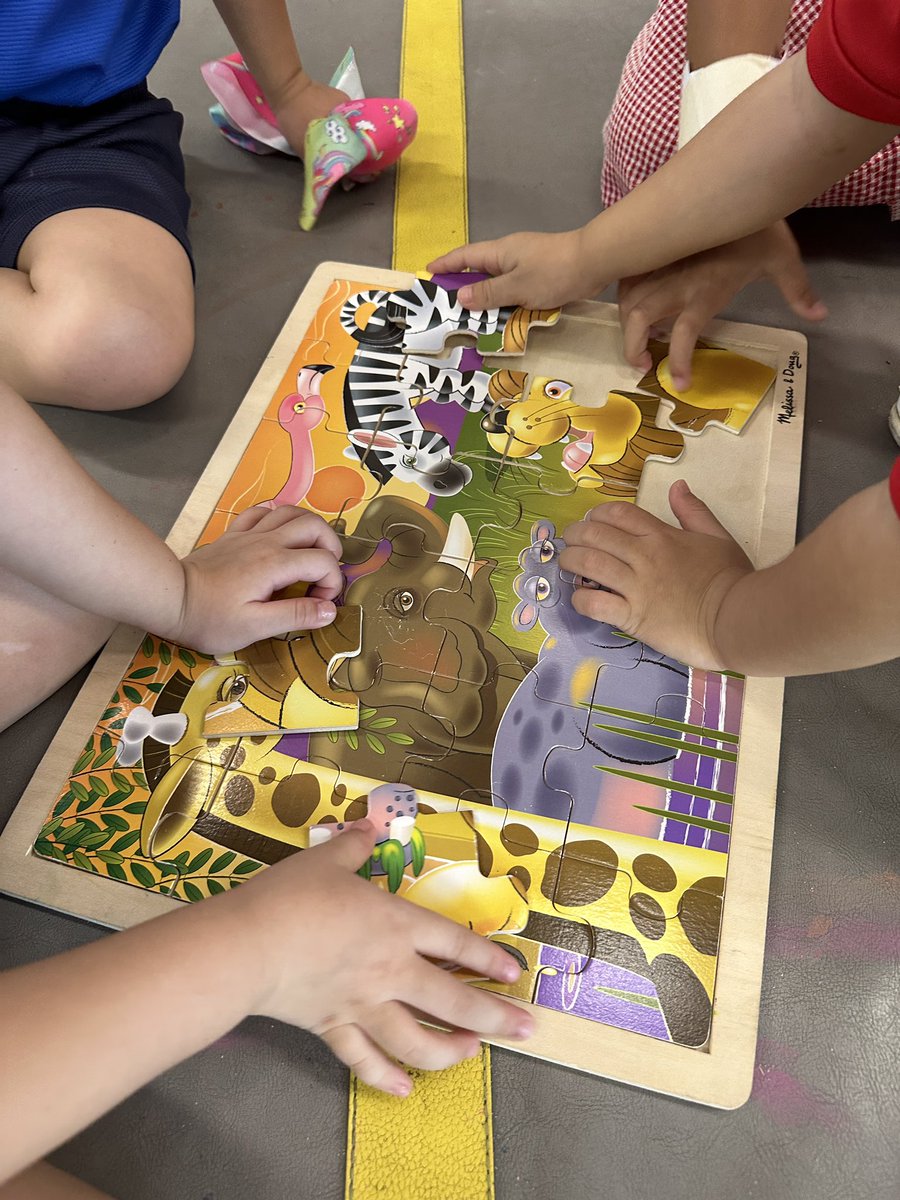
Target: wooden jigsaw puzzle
588, 802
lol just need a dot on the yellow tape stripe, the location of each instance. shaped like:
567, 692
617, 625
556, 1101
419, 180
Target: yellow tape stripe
431, 202
436, 1145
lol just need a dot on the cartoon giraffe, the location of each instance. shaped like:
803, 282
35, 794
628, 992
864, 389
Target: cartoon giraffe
599, 901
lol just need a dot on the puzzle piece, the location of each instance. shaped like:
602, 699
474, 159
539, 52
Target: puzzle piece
430, 313
580, 883
286, 685
726, 388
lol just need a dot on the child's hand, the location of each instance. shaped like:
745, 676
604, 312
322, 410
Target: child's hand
342, 958
303, 101
229, 584
534, 270
667, 585
693, 290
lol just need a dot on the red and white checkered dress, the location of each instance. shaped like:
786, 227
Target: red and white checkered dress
641, 132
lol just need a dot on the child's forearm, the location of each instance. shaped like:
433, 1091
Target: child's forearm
262, 32
718, 29
768, 153
62, 532
832, 604
150, 997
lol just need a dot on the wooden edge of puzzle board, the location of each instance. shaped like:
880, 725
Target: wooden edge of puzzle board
719, 1075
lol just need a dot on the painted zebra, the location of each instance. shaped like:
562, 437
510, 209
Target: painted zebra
383, 384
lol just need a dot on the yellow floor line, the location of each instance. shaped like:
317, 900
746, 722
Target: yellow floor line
431, 203
438, 1144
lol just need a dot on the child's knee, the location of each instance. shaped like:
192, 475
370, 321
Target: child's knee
110, 356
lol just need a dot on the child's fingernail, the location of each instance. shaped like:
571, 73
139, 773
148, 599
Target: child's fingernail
464, 295
473, 1049
327, 611
524, 1027
680, 382
510, 972
401, 1088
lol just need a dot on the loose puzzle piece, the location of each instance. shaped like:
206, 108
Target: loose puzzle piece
726, 388
286, 684
430, 314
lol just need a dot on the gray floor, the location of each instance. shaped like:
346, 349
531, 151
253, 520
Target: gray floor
262, 1114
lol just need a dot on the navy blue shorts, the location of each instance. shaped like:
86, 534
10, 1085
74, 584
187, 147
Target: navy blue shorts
122, 153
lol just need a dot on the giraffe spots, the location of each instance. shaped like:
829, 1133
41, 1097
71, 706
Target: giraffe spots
357, 809
579, 873
485, 854
328, 819
654, 872
258, 738
518, 839
237, 759
700, 914
295, 799
647, 915
523, 876
426, 808
239, 795
339, 795
683, 998
267, 775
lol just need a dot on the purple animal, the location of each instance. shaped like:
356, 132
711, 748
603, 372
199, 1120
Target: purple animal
581, 665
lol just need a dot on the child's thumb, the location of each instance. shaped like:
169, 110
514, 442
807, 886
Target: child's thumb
490, 293
693, 515
274, 618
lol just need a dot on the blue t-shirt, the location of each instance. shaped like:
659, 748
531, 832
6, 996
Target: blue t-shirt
77, 52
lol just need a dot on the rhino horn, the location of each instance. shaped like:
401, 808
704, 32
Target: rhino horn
459, 549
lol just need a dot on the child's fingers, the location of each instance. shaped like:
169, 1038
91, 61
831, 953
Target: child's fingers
437, 937
462, 1006
357, 1051
683, 341
599, 565
395, 1030
349, 849
602, 606
304, 529
272, 618
476, 256
315, 567
622, 515
249, 518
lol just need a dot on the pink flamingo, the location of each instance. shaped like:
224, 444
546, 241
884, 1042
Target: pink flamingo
298, 415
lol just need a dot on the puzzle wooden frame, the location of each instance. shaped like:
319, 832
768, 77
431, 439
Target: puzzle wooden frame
754, 491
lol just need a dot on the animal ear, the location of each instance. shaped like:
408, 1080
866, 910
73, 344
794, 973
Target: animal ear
524, 616
365, 439
543, 531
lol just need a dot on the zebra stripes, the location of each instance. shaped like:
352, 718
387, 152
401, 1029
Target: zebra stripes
384, 382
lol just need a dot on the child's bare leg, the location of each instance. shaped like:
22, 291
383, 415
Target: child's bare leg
99, 313
43, 642
43, 1182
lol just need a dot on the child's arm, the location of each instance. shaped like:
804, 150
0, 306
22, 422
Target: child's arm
730, 44
262, 32
308, 942
775, 147
64, 534
832, 604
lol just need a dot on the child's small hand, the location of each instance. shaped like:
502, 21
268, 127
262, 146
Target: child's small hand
693, 290
534, 270
304, 100
229, 584
342, 958
667, 585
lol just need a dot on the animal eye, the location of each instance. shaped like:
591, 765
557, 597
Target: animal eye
547, 551
556, 388
237, 688
408, 460
300, 406
403, 602
542, 591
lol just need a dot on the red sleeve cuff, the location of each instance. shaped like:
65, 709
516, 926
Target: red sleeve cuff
894, 486
853, 54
